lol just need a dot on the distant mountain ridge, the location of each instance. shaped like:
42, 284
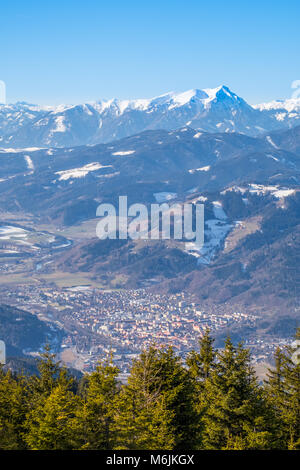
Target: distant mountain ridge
249, 259
213, 110
72, 181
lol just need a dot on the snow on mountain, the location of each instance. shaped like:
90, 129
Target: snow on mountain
209, 110
290, 105
80, 172
286, 112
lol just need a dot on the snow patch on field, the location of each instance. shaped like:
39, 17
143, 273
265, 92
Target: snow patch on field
269, 139
197, 135
273, 190
203, 168
281, 193
80, 172
123, 153
216, 231
164, 197
262, 190
19, 150
7, 232
29, 162
192, 190
219, 211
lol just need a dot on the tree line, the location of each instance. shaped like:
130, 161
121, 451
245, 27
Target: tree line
213, 401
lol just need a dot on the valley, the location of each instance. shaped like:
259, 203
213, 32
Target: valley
123, 294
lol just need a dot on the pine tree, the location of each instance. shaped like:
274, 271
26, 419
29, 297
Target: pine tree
274, 382
50, 375
236, 417
274, 394
94, 420
283, 393
52, 423
157, 405
200, 366
142, 418
201, 363
50, 401
13, 408
291, 395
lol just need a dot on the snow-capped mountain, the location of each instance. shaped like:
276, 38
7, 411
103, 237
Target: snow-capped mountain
286, 112
290, 105
211, 110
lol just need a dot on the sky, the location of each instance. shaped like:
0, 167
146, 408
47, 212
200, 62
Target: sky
79, 51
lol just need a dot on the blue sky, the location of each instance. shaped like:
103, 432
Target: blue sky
76, 51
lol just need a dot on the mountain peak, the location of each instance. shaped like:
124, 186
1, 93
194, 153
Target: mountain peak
209, 110
180, 99
220, 92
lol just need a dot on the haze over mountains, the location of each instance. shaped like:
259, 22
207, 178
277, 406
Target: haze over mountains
24, 125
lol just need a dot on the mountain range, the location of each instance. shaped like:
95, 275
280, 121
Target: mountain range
24, 125
243, 162
68, 184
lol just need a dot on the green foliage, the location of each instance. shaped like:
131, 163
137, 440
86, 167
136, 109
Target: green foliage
51, 423
95, 417
283, 387
235, 416
13, 408
146, 415
52, 407
212, 402
201, 363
